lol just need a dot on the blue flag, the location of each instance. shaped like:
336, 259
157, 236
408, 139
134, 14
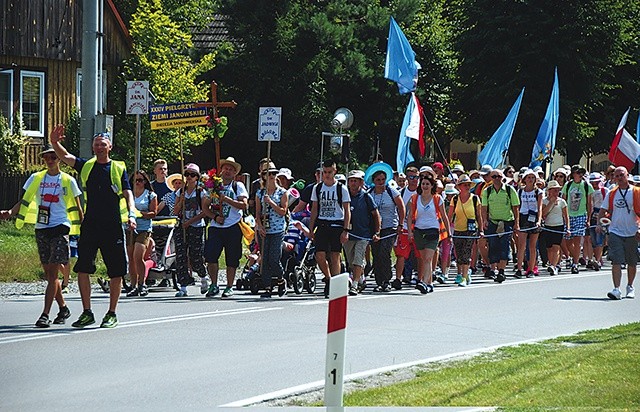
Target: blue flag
546, 139
400, 65
407, 132
496, 148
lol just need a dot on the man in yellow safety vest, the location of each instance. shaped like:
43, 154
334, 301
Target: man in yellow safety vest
108, 204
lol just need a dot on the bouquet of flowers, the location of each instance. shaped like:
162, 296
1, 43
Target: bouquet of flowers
211, 182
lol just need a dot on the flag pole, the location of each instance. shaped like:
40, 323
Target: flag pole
444, 159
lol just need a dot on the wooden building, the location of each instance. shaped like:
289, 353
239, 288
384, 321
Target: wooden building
40, 61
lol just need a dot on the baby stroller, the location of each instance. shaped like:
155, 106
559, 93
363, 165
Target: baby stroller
300, 267
165, 268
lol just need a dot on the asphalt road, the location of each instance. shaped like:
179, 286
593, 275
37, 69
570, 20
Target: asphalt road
175, 353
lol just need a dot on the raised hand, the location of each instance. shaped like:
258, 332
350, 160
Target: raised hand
57, 134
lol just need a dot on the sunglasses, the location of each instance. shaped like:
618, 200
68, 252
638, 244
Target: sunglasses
270, 173
496, 177
49, 157
413, 177
189, 174
139, 180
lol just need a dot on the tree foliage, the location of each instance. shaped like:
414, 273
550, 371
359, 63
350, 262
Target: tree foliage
161, 55
11, 145
506, 45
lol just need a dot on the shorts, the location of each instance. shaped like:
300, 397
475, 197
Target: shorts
553, 238
229, 239
327, 238
53, 245
426, 238
404, 246
137, 237
525, 224
355, 251
597, 239
578, 225
623, 250
108, 237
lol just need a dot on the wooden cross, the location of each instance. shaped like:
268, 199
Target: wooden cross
215, 104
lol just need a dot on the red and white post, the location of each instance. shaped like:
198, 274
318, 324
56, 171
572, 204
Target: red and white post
336, 340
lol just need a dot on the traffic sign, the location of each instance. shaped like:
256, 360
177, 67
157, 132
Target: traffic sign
167, 116
269, 119
137, 97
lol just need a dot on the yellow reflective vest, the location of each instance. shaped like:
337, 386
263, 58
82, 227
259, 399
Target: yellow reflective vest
28, 210
117, 170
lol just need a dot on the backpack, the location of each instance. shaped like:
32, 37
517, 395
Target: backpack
389, 192
635, 198
436, 201
474, 199
565, 189
339, 185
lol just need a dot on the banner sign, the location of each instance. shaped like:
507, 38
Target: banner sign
168, 116
137, 97
269, 124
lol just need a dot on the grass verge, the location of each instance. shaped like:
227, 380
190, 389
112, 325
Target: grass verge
19, 260
596, 370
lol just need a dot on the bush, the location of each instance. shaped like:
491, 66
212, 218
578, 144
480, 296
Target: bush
11, 147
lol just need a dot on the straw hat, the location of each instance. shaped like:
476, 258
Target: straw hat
172, 178
231, 161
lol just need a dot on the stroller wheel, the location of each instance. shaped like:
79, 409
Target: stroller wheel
297, 280
310, 282
239, 284
255, 286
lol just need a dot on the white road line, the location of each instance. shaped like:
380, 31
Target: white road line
319, 384
141, 322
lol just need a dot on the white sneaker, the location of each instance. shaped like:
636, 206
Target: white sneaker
615, 294
204, 285
631, 292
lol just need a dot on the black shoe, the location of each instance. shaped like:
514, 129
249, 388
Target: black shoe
518, 274
266, 294
63, 315
282, 288
429, 288
163, 283
386, 287
43, 321
574, 269
488, 273
422, 287
396, 284
133, 292
327, 281
500, 277
529, 274
143, 291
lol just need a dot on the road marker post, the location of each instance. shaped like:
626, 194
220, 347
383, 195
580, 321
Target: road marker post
336, 341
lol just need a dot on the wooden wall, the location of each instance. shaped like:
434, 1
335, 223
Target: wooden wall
52, 29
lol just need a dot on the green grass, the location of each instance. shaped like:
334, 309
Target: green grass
595, 370
19, 260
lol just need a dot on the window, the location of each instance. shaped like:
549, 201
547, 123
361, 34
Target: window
32, 103
6, 95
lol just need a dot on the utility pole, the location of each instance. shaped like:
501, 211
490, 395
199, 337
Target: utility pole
90, 93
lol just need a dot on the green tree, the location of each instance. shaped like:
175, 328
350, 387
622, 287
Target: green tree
311, 58
505, 45
161, 55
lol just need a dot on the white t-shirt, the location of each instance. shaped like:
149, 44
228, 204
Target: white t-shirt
554, 218
387, 207
529, 201
426, 217
597, 197
51, 194
624, 222
232, 215
406, 197
328, 207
